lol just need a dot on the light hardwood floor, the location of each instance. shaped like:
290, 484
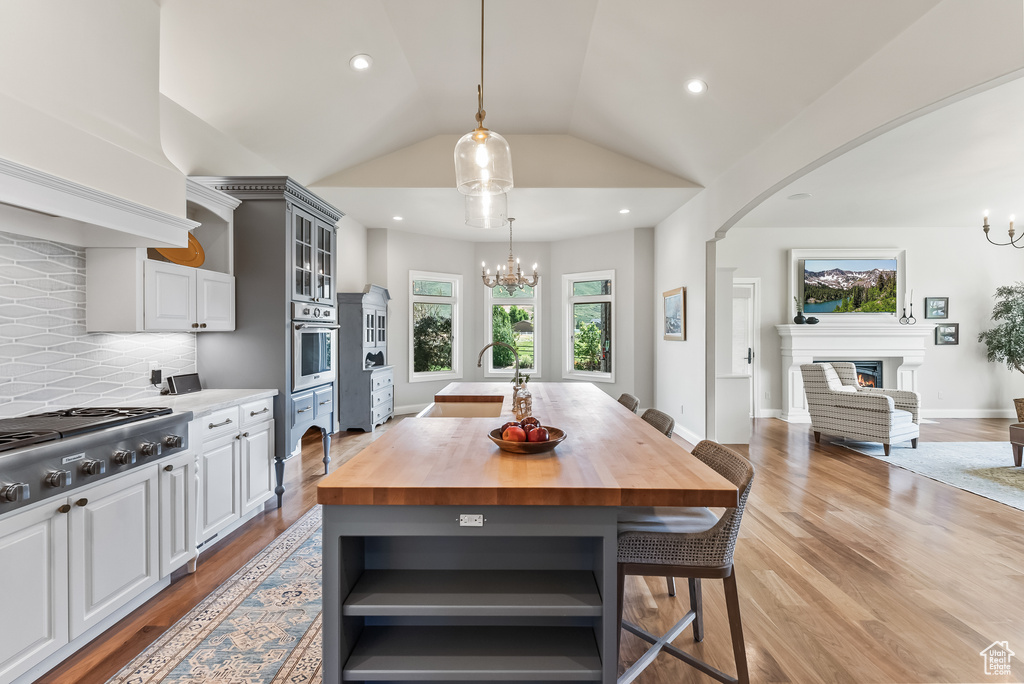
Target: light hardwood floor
849, 570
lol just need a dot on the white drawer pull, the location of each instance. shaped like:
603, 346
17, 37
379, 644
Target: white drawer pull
217, 425
257, 413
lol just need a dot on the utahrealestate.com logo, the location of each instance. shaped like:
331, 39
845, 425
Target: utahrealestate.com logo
997, 658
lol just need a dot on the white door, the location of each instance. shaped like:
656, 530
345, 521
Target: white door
114, 546
170, 297
745, 339
177, 513
257, 465
219, 481
215, 305
33, 587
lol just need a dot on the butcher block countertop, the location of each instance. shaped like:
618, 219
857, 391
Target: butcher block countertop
610, 458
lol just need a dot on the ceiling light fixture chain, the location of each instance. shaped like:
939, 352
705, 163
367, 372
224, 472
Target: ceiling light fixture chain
509, 277
483, 160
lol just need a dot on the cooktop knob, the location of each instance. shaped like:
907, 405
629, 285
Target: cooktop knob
124, 457
93, 467
58, 478
173, 441
151, 448
14, 492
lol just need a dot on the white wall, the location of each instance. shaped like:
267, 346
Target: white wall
941, 262
391, 254
351, 263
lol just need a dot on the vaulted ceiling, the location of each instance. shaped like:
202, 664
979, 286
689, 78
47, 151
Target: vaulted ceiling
605, 74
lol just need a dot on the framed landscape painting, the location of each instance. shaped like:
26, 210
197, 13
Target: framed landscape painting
840, 286
675, 314
936, 307
947, 333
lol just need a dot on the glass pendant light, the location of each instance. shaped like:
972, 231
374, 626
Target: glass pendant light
487, 211
483, 160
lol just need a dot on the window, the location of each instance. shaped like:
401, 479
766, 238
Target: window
513, 319
588, 301
434, 326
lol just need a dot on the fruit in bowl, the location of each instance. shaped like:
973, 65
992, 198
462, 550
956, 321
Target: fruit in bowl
529, 420
538, 434
513, 433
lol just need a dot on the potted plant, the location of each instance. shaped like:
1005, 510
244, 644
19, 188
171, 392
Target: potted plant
1005, 342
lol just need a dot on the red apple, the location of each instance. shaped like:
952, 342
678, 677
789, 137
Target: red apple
529, 420
538, 435
506, 426
514, 434
528, 427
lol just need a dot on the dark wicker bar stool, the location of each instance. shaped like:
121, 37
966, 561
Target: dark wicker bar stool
691, 543
660, 420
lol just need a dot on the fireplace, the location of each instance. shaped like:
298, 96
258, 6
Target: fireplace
869, 373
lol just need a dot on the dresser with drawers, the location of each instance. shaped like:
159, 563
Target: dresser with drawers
366, 385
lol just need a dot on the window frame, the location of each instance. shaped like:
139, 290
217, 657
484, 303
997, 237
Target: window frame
534, 301
568, 299
455, 300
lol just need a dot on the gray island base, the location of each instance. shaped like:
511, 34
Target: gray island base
410, 595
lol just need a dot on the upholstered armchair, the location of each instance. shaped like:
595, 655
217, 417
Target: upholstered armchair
840, 406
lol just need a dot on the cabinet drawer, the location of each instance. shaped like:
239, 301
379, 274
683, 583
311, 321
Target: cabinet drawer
257, 411
381, 395
324, 399
381, 379
218, 423
380, 413
303, 408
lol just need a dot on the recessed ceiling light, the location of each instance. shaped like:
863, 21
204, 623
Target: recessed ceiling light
800, 196
696, 86
623, 211
361, 62
397, 218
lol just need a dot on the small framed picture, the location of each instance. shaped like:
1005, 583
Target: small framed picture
936, 307
947, 333
675, 314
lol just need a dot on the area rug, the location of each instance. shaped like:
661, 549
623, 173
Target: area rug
984, 468
262, 626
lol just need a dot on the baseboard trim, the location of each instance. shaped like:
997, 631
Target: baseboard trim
968, 413
691, 437
769, 413
410, 409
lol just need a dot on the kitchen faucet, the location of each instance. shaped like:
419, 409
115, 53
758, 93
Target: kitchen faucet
480, 359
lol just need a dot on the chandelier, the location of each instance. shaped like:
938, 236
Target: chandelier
1012, 241
510, 276
483, 160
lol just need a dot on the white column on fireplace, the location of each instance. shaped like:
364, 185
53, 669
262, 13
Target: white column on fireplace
904, 344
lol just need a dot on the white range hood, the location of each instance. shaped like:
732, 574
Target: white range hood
39, 204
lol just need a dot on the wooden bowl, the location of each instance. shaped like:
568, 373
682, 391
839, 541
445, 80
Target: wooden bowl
555, 434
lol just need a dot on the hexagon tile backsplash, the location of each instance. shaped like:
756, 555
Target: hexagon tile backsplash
47, 359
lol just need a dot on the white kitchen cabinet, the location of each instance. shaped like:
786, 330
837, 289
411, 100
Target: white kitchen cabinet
113, 546
177, 512
220, 478
236, 458
183, 299
257, 465
126, 291
34, 586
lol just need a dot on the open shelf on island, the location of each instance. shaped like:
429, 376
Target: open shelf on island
393, 653
542, 593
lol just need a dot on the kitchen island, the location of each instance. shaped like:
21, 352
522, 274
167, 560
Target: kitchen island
446, 558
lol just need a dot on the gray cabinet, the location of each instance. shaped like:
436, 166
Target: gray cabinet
284, 252
365, 378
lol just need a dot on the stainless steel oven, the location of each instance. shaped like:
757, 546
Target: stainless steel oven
314, 346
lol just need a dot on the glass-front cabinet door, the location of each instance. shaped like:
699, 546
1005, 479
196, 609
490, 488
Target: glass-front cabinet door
324, 263
303, 257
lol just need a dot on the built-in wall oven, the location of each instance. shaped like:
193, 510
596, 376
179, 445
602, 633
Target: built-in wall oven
314, 345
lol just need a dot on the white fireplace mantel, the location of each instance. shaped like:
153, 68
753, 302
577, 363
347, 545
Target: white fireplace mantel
851, 340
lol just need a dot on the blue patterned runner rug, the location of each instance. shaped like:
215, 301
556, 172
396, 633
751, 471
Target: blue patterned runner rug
262, 626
